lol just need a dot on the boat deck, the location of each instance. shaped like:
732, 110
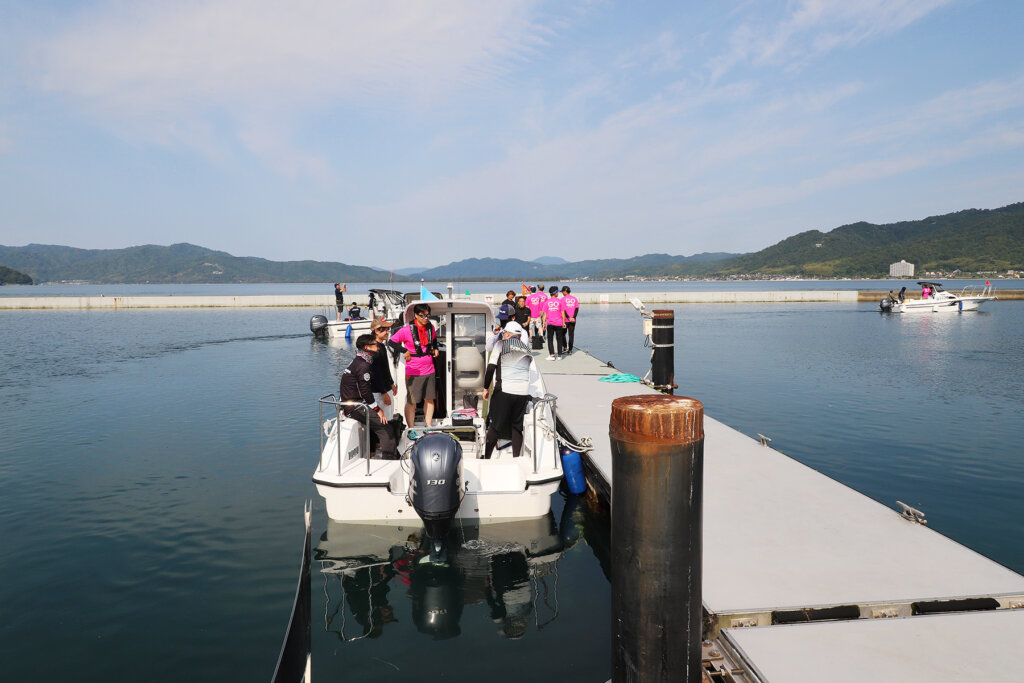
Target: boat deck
783, 541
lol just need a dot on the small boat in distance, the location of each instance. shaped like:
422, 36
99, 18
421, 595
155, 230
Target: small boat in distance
939, 300
383, 303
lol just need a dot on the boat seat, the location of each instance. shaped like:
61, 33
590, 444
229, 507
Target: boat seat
469, 368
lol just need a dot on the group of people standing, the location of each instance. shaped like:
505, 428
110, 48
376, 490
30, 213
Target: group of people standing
553, 313
367, 384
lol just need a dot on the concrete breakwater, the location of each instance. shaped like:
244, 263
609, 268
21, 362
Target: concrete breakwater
327, 301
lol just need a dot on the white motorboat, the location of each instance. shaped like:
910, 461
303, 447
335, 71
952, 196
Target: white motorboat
941, 301
383, 303
454, 475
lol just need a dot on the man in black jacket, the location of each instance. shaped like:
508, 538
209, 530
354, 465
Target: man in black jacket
356, 386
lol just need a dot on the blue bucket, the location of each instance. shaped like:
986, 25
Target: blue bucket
572, 465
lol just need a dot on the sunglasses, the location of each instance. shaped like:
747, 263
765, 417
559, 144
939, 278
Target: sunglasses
422, 315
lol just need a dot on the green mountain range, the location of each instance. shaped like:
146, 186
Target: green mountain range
177, 263
970, 241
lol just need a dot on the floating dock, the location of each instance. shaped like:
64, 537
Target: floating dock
805, 579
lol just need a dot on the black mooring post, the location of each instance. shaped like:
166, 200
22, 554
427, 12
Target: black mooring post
663, 331
657, 446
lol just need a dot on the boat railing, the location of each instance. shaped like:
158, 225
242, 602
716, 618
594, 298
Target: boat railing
976, 291
331, 400
552, 400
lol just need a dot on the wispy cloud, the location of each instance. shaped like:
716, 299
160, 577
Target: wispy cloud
813, 27
948, 112
150, 67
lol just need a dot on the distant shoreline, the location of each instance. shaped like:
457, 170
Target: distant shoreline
326, 301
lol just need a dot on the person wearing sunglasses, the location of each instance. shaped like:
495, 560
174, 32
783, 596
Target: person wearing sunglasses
417, 342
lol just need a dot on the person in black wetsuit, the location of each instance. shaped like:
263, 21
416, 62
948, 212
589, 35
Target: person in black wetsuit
356, 386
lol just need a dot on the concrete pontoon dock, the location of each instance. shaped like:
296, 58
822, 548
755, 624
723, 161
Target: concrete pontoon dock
784, 543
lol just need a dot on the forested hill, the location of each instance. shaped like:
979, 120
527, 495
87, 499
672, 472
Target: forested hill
178, 263
971, 241
13, 277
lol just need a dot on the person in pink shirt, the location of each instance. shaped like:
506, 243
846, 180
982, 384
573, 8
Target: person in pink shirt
554, 321
534, 303
417, 342
572, 306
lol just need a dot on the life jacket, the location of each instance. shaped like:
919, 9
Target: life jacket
431, 340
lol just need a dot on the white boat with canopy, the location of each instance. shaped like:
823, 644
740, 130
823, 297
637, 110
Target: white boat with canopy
359, 486
941, 301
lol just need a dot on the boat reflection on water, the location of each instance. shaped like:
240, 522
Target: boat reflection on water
510, 566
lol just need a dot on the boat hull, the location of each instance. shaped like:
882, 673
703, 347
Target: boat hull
339, 328
940, 305
378, 505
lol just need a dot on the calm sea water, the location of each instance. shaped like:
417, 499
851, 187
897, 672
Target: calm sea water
153, 466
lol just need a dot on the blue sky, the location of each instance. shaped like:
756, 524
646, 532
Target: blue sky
402, 133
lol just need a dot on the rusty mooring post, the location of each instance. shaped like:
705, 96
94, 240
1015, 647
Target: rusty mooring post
657, 491
663, 332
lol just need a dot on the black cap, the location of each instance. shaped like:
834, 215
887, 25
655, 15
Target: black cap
553, 289
364, 340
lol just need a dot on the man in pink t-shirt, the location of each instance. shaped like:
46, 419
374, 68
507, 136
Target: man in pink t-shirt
419, 353
534, 303
572, 306
554, 321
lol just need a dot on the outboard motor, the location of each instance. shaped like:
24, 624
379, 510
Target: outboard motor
885, 305
318, 324
435, 486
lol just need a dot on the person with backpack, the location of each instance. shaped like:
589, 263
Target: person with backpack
507, 309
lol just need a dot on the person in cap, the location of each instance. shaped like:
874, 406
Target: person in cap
572, 308
515, 376
339, 297
382, 380
554, 323
356, 386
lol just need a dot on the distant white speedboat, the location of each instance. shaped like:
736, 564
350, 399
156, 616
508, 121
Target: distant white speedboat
941, 301
442, 473
383, 303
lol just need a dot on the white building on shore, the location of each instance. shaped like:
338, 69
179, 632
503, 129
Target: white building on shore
901, 269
